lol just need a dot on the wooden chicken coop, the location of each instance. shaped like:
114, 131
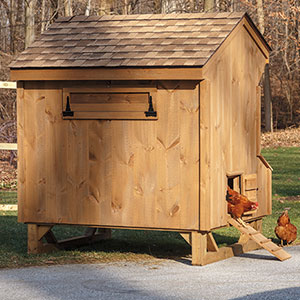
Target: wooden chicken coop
141, 121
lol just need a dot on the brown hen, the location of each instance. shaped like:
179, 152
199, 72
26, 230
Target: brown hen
238, 204
284, 230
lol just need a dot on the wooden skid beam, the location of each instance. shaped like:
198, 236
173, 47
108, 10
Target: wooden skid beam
205, 249
230, 251
37, 232
89, 237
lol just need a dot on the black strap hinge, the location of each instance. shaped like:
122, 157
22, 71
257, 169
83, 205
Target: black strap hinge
150, 112
68, 112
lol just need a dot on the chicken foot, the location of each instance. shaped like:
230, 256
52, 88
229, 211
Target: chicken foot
242, 222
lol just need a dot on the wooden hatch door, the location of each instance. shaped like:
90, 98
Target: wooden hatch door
109, 104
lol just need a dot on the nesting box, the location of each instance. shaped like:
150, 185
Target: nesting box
141, 121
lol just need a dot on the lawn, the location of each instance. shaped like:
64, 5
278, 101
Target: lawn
136, 245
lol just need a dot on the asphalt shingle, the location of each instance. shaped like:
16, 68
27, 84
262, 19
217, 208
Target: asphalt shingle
171, 40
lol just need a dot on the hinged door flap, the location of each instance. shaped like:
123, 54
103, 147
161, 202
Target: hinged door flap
250, 184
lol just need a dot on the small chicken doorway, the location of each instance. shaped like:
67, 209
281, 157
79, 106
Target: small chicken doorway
234, 181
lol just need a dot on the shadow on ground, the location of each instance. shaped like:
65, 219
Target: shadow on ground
286, 294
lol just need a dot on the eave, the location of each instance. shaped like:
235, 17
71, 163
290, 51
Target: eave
164, 73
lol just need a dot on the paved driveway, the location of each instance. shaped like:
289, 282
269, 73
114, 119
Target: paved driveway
255, 275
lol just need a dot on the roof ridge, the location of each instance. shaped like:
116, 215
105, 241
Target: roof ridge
187, 16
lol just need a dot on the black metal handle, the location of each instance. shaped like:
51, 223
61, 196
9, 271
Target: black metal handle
150, 112
68, 112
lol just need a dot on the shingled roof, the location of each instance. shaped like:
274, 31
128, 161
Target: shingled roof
129, 41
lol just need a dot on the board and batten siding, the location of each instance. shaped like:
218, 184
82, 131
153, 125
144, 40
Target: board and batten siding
127, 173
229, 130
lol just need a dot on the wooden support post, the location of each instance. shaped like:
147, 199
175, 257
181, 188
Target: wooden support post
211, 243
199, 247
35, 235
105, 233
187, 237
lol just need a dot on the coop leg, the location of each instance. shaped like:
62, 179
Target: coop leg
199, 248
35, 235
105, 233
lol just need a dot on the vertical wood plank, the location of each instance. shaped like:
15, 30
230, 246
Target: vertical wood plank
199, 248
21, 153
258, 120
168, 158
189, 104
101, 169
145, 171
93, 188
34, 154
205, 156
35, 245
77, 172
56, 159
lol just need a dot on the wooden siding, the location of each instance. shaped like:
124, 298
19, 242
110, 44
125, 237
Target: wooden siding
232, 128
112, 173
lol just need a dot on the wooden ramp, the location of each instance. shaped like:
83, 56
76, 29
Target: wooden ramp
261, 240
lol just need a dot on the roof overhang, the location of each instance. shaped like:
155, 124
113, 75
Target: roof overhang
107, 74
244, 24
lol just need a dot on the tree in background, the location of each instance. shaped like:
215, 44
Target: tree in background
279, 21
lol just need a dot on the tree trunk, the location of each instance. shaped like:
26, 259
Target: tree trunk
105, 6
168, 6
209, 5
298, 36
125, 7
43, 16
88, 8
29, 22
68, 8
232, 5
268, 101
12, 25
260, 15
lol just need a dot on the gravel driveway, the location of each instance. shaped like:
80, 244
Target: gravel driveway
255, 275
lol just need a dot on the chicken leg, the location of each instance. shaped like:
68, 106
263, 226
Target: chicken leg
242, 222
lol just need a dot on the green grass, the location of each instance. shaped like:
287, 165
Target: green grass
8, 197
136, 245
125, 245
286, 174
